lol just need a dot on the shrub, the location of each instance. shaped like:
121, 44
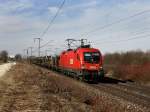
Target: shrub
133, 65
18, 57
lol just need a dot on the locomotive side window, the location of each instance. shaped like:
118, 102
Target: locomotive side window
92, 57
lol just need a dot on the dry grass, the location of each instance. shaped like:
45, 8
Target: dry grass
27, 87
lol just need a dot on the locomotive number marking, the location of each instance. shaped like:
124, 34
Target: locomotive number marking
71, 61
92, 67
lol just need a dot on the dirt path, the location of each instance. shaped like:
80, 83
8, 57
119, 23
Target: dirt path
5, 67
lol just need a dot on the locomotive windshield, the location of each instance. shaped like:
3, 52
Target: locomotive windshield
92, 57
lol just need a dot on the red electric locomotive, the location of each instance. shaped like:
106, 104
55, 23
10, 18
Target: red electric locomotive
84, 63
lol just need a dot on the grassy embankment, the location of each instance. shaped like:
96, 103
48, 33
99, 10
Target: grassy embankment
27, 87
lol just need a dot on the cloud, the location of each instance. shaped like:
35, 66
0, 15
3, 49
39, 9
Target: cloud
94, 17
86, 4
13, 6
53, 10
75, 19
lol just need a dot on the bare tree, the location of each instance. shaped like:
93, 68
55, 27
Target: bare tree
18, 57
4, 56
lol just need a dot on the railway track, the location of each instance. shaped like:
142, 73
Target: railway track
140, 88
132, 93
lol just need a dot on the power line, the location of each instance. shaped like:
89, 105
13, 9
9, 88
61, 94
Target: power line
49, 25
98, 28
115, 22
53, 19
133, 33
42, 46
46, 44
124, 40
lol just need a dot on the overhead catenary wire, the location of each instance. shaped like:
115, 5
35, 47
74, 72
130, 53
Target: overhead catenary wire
133, 33
115, 22
119, 21
53, 19
124, 40
46, 44
50, 24
96, 29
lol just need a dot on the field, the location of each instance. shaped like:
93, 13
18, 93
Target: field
30, 88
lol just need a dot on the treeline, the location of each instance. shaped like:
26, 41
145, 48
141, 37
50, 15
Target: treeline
3, 56
132, 65
128, 58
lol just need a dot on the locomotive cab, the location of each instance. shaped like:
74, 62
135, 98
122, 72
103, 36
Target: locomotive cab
91, 68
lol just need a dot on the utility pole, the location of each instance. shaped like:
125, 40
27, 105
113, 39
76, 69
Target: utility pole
26, 52
39, 46
31, 50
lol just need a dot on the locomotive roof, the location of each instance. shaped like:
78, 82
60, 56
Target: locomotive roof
80, 49
87, 49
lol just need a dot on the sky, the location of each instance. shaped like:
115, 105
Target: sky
23, 20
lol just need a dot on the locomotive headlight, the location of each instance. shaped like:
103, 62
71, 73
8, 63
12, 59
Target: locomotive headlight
83, 67
101, 68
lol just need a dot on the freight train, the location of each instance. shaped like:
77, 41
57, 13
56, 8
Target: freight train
84, 63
